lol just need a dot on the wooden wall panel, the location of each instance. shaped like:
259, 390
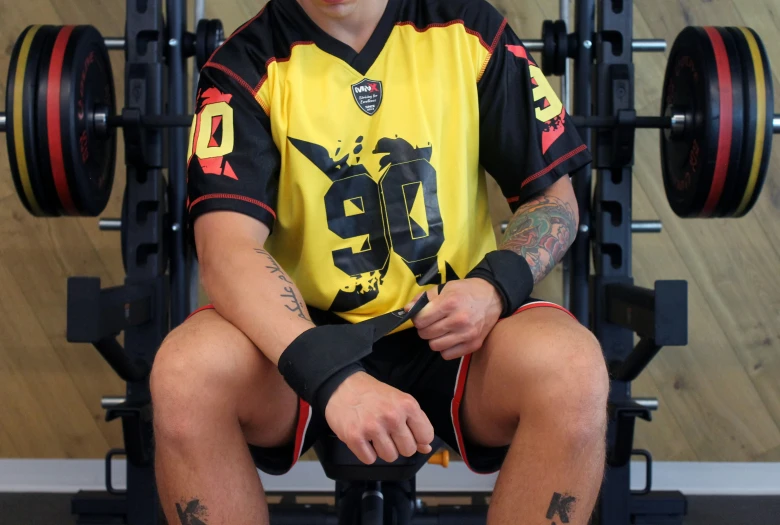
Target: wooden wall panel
720, 395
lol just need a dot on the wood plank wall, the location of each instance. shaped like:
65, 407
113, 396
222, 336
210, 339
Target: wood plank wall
720, 396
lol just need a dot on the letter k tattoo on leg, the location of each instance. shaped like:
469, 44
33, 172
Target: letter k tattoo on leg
561, 505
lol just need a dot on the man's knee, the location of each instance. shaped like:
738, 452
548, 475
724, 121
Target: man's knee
197, 375
560, 372
574, 393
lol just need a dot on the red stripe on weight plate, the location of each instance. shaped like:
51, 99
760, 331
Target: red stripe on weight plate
726, 121
54, 120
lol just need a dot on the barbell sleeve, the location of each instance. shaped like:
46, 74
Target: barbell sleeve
775, 123
2, 122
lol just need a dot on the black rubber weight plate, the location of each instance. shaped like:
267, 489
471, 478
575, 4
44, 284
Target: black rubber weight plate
34, 83
21, 102
12, 142
690, 86
87, 83
736, 170
768, 92
730, 202
50, 202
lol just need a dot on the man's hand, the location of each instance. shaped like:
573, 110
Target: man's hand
375, 419
457, 322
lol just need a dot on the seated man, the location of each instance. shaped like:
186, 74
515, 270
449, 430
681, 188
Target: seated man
335, 175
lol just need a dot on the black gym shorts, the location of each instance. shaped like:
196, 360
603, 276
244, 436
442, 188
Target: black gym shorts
405, 361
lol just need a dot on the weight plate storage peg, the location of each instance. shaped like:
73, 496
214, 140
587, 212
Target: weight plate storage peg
61, 165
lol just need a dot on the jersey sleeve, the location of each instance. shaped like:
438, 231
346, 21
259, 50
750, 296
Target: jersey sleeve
233, 162
527, 140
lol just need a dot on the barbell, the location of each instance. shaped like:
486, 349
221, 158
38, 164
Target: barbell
716, 125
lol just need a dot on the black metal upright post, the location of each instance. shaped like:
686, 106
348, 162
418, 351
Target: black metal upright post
146, 264
579, 254
611, 230
177, 154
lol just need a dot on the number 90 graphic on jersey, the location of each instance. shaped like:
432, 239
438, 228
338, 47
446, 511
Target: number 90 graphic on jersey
398, 214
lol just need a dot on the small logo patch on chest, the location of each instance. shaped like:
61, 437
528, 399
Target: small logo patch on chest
368, 95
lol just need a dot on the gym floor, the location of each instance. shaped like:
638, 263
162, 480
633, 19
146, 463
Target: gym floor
54, 509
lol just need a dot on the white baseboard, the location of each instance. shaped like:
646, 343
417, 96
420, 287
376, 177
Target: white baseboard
72, 475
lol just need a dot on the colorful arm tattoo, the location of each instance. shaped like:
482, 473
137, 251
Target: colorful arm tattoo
541, 230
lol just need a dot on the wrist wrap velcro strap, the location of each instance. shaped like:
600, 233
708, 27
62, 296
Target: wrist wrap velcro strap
321, 358
511, 276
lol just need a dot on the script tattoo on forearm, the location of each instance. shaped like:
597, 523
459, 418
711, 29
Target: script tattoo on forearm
541, 230
274, 266
562, 506
296, 304
192, 513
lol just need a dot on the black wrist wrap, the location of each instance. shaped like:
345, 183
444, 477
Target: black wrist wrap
321, 358
511, 276
320, 353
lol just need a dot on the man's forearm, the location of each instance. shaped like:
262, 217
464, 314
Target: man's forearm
541, 230
250, 289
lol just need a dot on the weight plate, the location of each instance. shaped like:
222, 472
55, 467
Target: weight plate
691, 85
49, 199
548, 47
737, 186
54, 122
562, 47
20, 107
217, 36
735, 167
83, 161
765, 114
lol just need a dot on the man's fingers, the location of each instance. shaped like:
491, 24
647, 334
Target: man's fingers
431, 312
404, 441
384, 446
424, 449
438, 329
457, 351
421, 428
447, 342
363, 451
413, 301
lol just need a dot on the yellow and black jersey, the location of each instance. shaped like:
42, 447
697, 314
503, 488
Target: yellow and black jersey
367, 166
